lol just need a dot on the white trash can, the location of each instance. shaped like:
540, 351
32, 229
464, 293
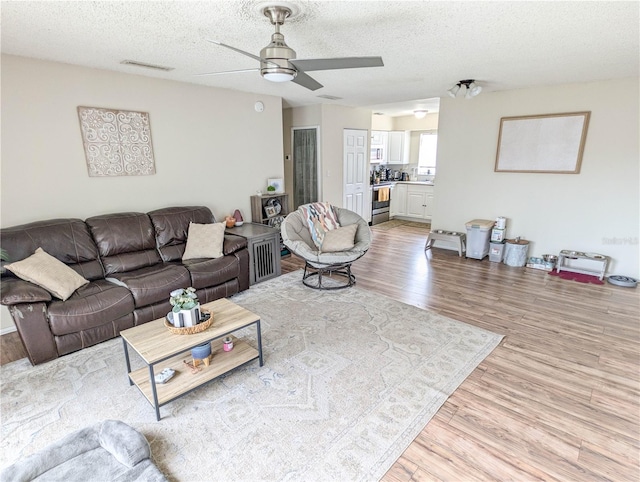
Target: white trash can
478, 234
515, 252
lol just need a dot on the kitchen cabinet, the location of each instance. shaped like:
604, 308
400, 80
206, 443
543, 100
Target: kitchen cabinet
412, 201
396, 148
398, 205
377, 138
428, 212
379, 147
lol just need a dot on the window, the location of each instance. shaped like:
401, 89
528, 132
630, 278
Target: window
427, 153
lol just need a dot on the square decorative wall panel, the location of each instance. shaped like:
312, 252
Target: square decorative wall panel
116, 142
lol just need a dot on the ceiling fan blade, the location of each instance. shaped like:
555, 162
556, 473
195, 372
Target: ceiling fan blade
307, 81
254, 57
309, 65
228, 72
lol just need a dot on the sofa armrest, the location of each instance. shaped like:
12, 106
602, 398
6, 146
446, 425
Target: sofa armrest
233, 243
15, 291
34, 330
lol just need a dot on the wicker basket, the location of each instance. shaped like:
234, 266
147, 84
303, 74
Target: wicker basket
190, 330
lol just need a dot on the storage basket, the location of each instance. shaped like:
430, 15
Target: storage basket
191, 330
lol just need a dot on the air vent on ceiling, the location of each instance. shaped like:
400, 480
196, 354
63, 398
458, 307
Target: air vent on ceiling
329, 97
146, 66
378, 113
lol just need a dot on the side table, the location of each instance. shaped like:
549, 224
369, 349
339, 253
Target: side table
264, 250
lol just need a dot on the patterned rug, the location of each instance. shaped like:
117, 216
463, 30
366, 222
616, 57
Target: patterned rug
350, 379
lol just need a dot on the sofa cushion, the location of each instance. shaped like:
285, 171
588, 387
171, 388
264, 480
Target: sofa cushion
212, 272
152, 284
126, 241
172, 225
46, 271
93, 305
204, 241
67, 240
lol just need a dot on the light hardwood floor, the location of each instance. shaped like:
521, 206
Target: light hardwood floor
559, 399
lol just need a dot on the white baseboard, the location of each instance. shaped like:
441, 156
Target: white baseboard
6, 331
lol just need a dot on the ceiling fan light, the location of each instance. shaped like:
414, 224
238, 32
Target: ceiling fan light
420, 114
279, 76
453, 90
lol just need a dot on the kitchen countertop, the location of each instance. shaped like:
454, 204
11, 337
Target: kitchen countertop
421, 183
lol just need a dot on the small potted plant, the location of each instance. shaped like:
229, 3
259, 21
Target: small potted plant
185, 307
271, 189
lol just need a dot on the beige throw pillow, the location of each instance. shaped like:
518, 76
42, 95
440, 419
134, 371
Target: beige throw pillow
339, 239
204, 241
48, 272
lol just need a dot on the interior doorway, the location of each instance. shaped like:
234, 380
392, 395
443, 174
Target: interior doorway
306, 186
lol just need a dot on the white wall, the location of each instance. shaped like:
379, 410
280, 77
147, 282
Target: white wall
332, 119
211, 147
596, 210
335, 119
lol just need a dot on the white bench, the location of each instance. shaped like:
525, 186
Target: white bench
455, 239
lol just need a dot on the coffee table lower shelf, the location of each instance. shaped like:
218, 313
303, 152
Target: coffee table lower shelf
184, 381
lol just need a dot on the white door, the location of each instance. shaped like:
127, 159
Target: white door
356, 173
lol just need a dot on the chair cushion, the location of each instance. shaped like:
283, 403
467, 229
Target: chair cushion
204, 241
49, 273
339, 239
320, 218
95, 304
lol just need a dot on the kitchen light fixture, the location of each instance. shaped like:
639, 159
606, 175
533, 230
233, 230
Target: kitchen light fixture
473, 89
420, 114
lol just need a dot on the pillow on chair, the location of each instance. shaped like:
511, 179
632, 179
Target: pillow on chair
339, 239
320, 218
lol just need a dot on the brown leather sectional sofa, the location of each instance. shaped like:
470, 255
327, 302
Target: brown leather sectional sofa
132, 260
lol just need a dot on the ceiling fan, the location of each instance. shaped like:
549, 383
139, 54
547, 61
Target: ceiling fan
278, 61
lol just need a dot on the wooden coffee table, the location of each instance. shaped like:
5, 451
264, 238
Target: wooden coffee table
158, 346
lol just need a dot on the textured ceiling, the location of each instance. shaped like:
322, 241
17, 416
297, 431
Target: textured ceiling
426, 46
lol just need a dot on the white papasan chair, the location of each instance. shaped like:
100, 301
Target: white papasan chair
297, 237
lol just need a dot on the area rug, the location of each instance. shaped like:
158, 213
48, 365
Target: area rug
579, 277
350, 378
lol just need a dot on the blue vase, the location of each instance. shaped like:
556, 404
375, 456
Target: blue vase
201, 352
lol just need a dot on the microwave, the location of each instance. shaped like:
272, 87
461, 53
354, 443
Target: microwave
376, 153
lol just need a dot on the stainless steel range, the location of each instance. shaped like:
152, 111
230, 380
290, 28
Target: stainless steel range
380, 202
